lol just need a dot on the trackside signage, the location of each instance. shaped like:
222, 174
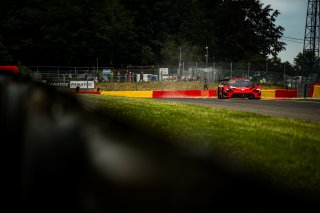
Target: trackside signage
58, 84
164, 71
82, 84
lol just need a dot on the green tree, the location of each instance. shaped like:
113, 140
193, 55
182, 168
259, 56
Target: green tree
289, 69
247, 29
5, 57
67, 32
172, 48
306, 63
122, 32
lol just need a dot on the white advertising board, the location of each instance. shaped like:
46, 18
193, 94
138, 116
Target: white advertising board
163, 71
82, 84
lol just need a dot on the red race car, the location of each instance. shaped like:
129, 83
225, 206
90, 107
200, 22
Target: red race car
239, 88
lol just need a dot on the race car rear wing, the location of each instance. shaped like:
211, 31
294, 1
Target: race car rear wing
224, 79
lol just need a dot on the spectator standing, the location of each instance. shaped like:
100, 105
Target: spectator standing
132, 76
111, 76
129, 77
126, 76
205, 86
118, 76
141, 76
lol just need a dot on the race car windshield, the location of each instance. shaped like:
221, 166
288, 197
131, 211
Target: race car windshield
240, 83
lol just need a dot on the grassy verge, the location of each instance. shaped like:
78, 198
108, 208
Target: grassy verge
308, 99
163, 85
285, 151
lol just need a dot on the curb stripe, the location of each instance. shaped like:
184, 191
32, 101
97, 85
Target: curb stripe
265, 94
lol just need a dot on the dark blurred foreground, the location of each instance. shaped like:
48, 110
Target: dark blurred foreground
61, 155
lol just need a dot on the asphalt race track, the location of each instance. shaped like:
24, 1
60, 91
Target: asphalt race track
306, 110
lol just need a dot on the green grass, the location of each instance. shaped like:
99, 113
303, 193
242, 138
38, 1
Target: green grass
285, 151
308, 99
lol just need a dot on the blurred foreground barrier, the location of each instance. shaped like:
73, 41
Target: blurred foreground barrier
62, 156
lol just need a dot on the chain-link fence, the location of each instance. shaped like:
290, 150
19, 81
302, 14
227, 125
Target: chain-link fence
62, 74
189, 75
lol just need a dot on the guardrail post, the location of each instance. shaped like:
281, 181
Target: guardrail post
305, 90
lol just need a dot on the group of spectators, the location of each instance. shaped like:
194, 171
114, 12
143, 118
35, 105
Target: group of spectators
129, 76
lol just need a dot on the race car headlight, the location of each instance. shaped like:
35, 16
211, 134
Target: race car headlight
228, 90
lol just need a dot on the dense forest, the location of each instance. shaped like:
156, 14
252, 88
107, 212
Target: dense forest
136, 32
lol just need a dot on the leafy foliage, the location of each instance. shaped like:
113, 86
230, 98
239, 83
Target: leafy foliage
136, 32
307, 62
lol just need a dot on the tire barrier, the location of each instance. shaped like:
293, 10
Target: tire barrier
132, 94
267, 94
184, 94
311, 89
279, 93
286, 93
316, 91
